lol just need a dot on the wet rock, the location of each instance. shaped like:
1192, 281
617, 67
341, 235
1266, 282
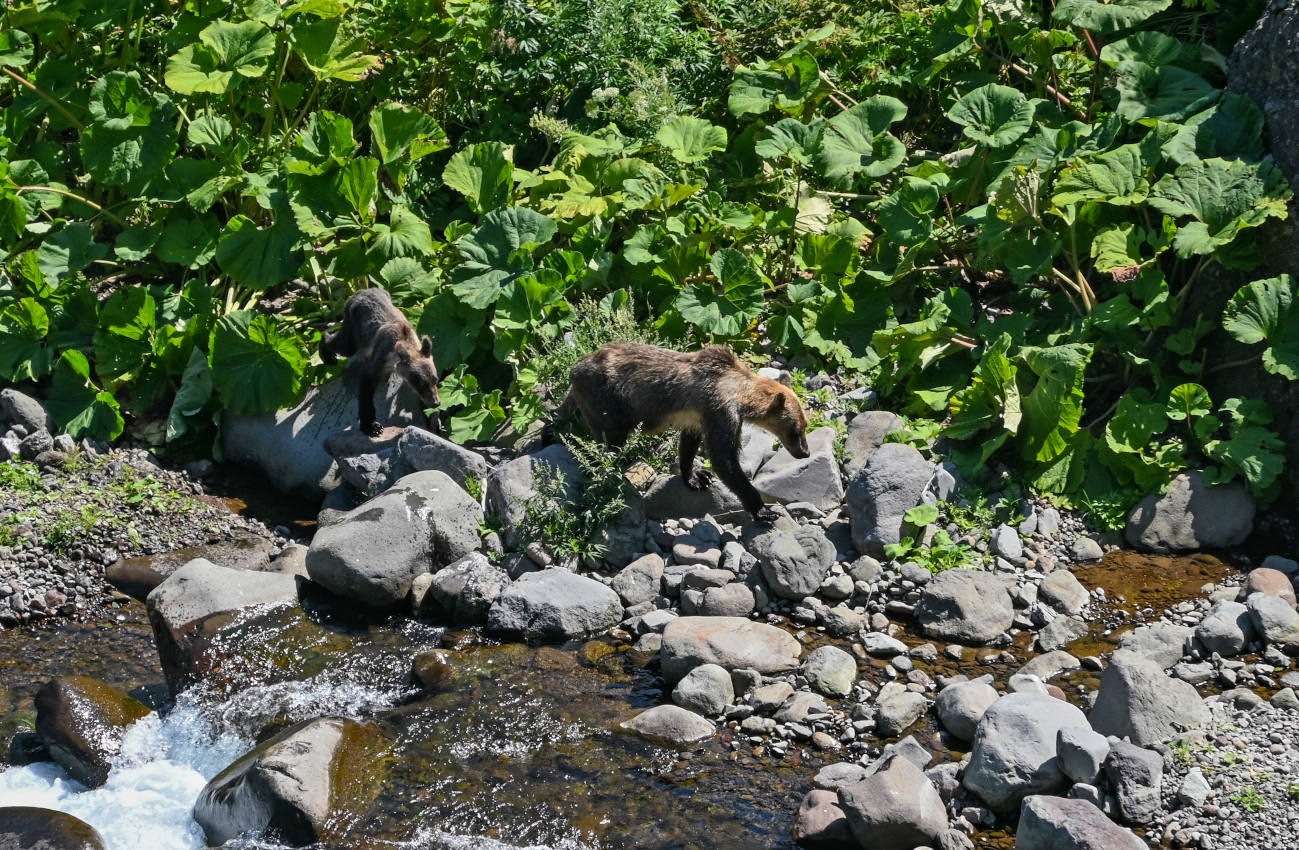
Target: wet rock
706, 690
1192, 515
21, 409
1014, 749
794, 562
81, 722
898, 711
1134, 774
1082, 753
813, 479
961, 706
432, 670
830, 670
289, 445
1061, 631
1288, 566
292, 784
196, 592
32, 828
1086, 549
513, 484
669, 498
640, 580
731, 642
866, 433
881, 492
1226, 629
465, 590
1063, 592
1056, 823
1138, 701
1273, 617
1162, 643
136, 577
897, 808
820, 820
967, 606
371, 555
423, 450
671, 724
555, 604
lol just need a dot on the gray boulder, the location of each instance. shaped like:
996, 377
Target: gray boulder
514, 484
1050, 664
1274, 618
1063, 592
881, 492
731, 642
794, 561
1192, 515
555, 604
32, 828
897, 808
961, 706
814, 479
819, 820
669, 498
423, 450
21, 409
729, 600
1006, 542
706, 690
294, 784
1061, 631
1226, 630
1014, 749
1082, 753
200, 590
1135, 774
465, 590
898, 711
965, 606
81, 721
373, 553
866, 433
670, 724
1138, 701
640, 581
830, 670
1162, 643
289, 445
1057, 823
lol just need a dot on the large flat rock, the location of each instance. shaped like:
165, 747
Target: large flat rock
730, 642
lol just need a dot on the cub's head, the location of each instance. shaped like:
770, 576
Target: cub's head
416, 367
781, 414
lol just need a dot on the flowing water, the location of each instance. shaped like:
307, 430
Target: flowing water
519, 750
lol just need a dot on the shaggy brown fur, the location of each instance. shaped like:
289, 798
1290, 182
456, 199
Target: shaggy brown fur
376, 331
708, 395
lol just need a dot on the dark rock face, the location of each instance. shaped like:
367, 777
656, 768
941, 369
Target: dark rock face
82, 721
31, 828
292, 784
1264, 66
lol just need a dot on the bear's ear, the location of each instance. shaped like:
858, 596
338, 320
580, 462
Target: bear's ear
777, 404
785, 378
426, 346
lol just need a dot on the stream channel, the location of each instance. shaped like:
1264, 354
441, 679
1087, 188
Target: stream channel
517, 749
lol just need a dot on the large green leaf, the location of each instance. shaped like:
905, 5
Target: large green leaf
255, 368
857, 140
15, 48
728, 307
24, 326
1264, 311
1231, 129
1107, 16
498, 252
194, 391
133, 347
992, 397
1224, 197
691, 139
187, 239
993, 115
786, 84
1167, 92
403, 131
1116, 177
225, 51
793, 139
1136, 421
196, 69
1188, 401
1152, 48
483, 174
1254, 452
1053, 409
907, 215
405, 235
132, 136
71, 249
78, 406
259, 257
331, 52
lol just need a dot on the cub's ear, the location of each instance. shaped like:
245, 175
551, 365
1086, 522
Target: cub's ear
785, 378
777, 404
426, 346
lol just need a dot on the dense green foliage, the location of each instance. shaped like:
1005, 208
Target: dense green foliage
996, 211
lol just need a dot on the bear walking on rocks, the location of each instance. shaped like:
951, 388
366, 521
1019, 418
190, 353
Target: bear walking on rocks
708, 395
384, 338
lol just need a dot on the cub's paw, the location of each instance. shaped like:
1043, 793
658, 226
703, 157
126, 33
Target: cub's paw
766, 515
699, 479
373, 429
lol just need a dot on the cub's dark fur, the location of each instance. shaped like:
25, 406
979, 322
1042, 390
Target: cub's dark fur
708, 395
376, 331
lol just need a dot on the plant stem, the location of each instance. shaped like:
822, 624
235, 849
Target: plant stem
43, 95
67, 194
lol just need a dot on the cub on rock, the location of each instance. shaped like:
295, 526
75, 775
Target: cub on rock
707, 394
376, 331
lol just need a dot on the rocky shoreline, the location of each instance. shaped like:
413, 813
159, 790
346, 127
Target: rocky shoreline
940, 707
